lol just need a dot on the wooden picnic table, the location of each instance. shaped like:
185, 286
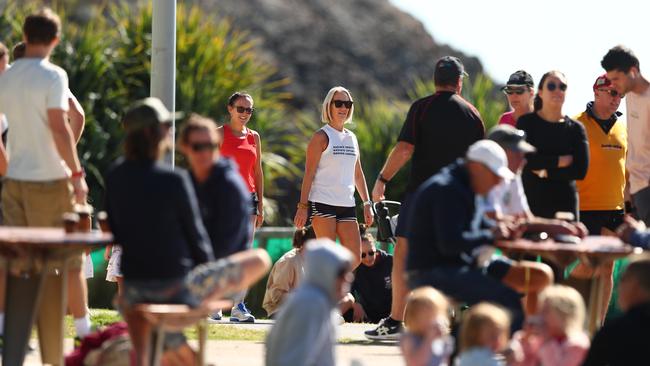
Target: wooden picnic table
36, 288
592, 250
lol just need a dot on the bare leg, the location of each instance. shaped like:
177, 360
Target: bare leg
77, 293
529, 278
324, 227
398, 277
606, 271
346, 304
140, 333
348, 232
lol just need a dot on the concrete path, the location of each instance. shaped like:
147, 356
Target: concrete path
355, 348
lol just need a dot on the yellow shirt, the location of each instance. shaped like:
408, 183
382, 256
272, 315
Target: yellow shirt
604, 184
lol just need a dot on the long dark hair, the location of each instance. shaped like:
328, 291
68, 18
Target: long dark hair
301, 236
143, 144
537, 102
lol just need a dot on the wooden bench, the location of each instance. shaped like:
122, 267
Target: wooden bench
162, 318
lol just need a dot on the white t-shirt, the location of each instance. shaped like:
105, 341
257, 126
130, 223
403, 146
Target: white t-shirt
27, 90
334, 181
508, 198
638, 137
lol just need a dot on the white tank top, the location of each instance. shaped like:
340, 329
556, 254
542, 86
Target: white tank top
334, 180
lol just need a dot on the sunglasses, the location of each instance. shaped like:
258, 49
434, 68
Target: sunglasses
612, 92
203, 146
552, 86
510, 91
341, 103
241, 109
369, 254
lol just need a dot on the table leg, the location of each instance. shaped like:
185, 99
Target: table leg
51, 316
22, 298
595, 304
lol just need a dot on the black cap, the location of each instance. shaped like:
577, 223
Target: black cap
147, 112
510, 138
449, 67
520, 78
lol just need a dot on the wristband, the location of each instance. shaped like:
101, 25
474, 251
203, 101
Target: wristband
78, 174
367, 203
303, 205
382, 179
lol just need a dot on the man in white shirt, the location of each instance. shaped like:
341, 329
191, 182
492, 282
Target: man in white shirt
623, 71
44, 176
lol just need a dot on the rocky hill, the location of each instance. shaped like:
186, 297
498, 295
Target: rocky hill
369, 46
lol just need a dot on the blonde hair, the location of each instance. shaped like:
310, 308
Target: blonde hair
568, 304
325, 113
424, 298
477, 318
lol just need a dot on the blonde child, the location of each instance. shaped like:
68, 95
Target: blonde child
484, 333
426, 341
559, 339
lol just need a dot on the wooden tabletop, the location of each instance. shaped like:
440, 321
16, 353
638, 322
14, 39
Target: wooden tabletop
41, 237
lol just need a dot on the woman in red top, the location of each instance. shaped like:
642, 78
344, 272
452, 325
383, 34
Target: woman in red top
243, 145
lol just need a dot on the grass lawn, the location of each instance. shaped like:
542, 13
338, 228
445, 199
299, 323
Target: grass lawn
101, 317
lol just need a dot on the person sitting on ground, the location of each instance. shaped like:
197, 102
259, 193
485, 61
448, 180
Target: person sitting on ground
624, 340
561, 340
484, 335
286, 272
450, 243
166, 253
371, 288
304, 332
426, 341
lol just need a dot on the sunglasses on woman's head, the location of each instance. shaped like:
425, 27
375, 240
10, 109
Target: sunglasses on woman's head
369, 254
552, 86
203, 146
341, 103
241, 109
612, 92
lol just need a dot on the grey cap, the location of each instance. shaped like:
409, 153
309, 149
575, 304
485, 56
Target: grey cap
510, 138
147, 112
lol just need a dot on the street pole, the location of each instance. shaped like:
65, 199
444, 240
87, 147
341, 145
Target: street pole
163, 58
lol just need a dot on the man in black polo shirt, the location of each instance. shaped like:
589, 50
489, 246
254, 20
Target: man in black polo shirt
438, 129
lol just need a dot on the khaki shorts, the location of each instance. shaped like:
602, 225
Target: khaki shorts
38, 204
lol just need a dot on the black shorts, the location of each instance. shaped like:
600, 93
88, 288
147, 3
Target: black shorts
403, 219
341, 214
256, 202
596, 220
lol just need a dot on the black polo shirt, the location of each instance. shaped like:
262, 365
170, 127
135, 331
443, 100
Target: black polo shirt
441, 127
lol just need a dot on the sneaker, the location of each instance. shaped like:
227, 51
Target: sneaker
387, 330
215, 317
240, 314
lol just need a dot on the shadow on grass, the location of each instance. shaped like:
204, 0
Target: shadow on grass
365, 342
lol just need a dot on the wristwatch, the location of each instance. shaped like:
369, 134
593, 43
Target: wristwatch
382, 179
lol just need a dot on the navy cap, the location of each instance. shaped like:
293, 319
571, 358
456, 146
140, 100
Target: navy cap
449, 67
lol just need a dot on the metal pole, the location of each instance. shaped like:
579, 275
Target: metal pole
163, 58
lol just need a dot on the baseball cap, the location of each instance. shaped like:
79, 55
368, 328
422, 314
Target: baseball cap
511, 138
602, 82
449, 67
519, 78
490, 154
147, 112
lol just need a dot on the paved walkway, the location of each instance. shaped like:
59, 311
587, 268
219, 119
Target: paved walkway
355, 348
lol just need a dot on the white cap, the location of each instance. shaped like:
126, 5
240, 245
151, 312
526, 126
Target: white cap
490, 154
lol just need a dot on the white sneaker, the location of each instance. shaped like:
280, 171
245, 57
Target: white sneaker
216, 317
240, 314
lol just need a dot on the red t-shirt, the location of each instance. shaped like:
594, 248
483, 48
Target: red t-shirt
244, 151
508, 119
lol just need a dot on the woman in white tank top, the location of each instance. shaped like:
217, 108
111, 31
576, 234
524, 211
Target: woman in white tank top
332, 171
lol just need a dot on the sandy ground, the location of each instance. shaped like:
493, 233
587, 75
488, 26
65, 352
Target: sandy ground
355, 350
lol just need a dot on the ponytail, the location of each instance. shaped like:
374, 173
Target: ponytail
301, 236
537, 103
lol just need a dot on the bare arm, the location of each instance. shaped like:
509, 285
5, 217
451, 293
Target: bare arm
259, 180
65, 145
77, 117
399, 156
362, 188
317, 145
4, 161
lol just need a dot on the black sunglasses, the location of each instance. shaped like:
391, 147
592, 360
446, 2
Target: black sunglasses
552, 86
612, 92
241, 109
369, 254
203, 146
341, 103
510, 91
